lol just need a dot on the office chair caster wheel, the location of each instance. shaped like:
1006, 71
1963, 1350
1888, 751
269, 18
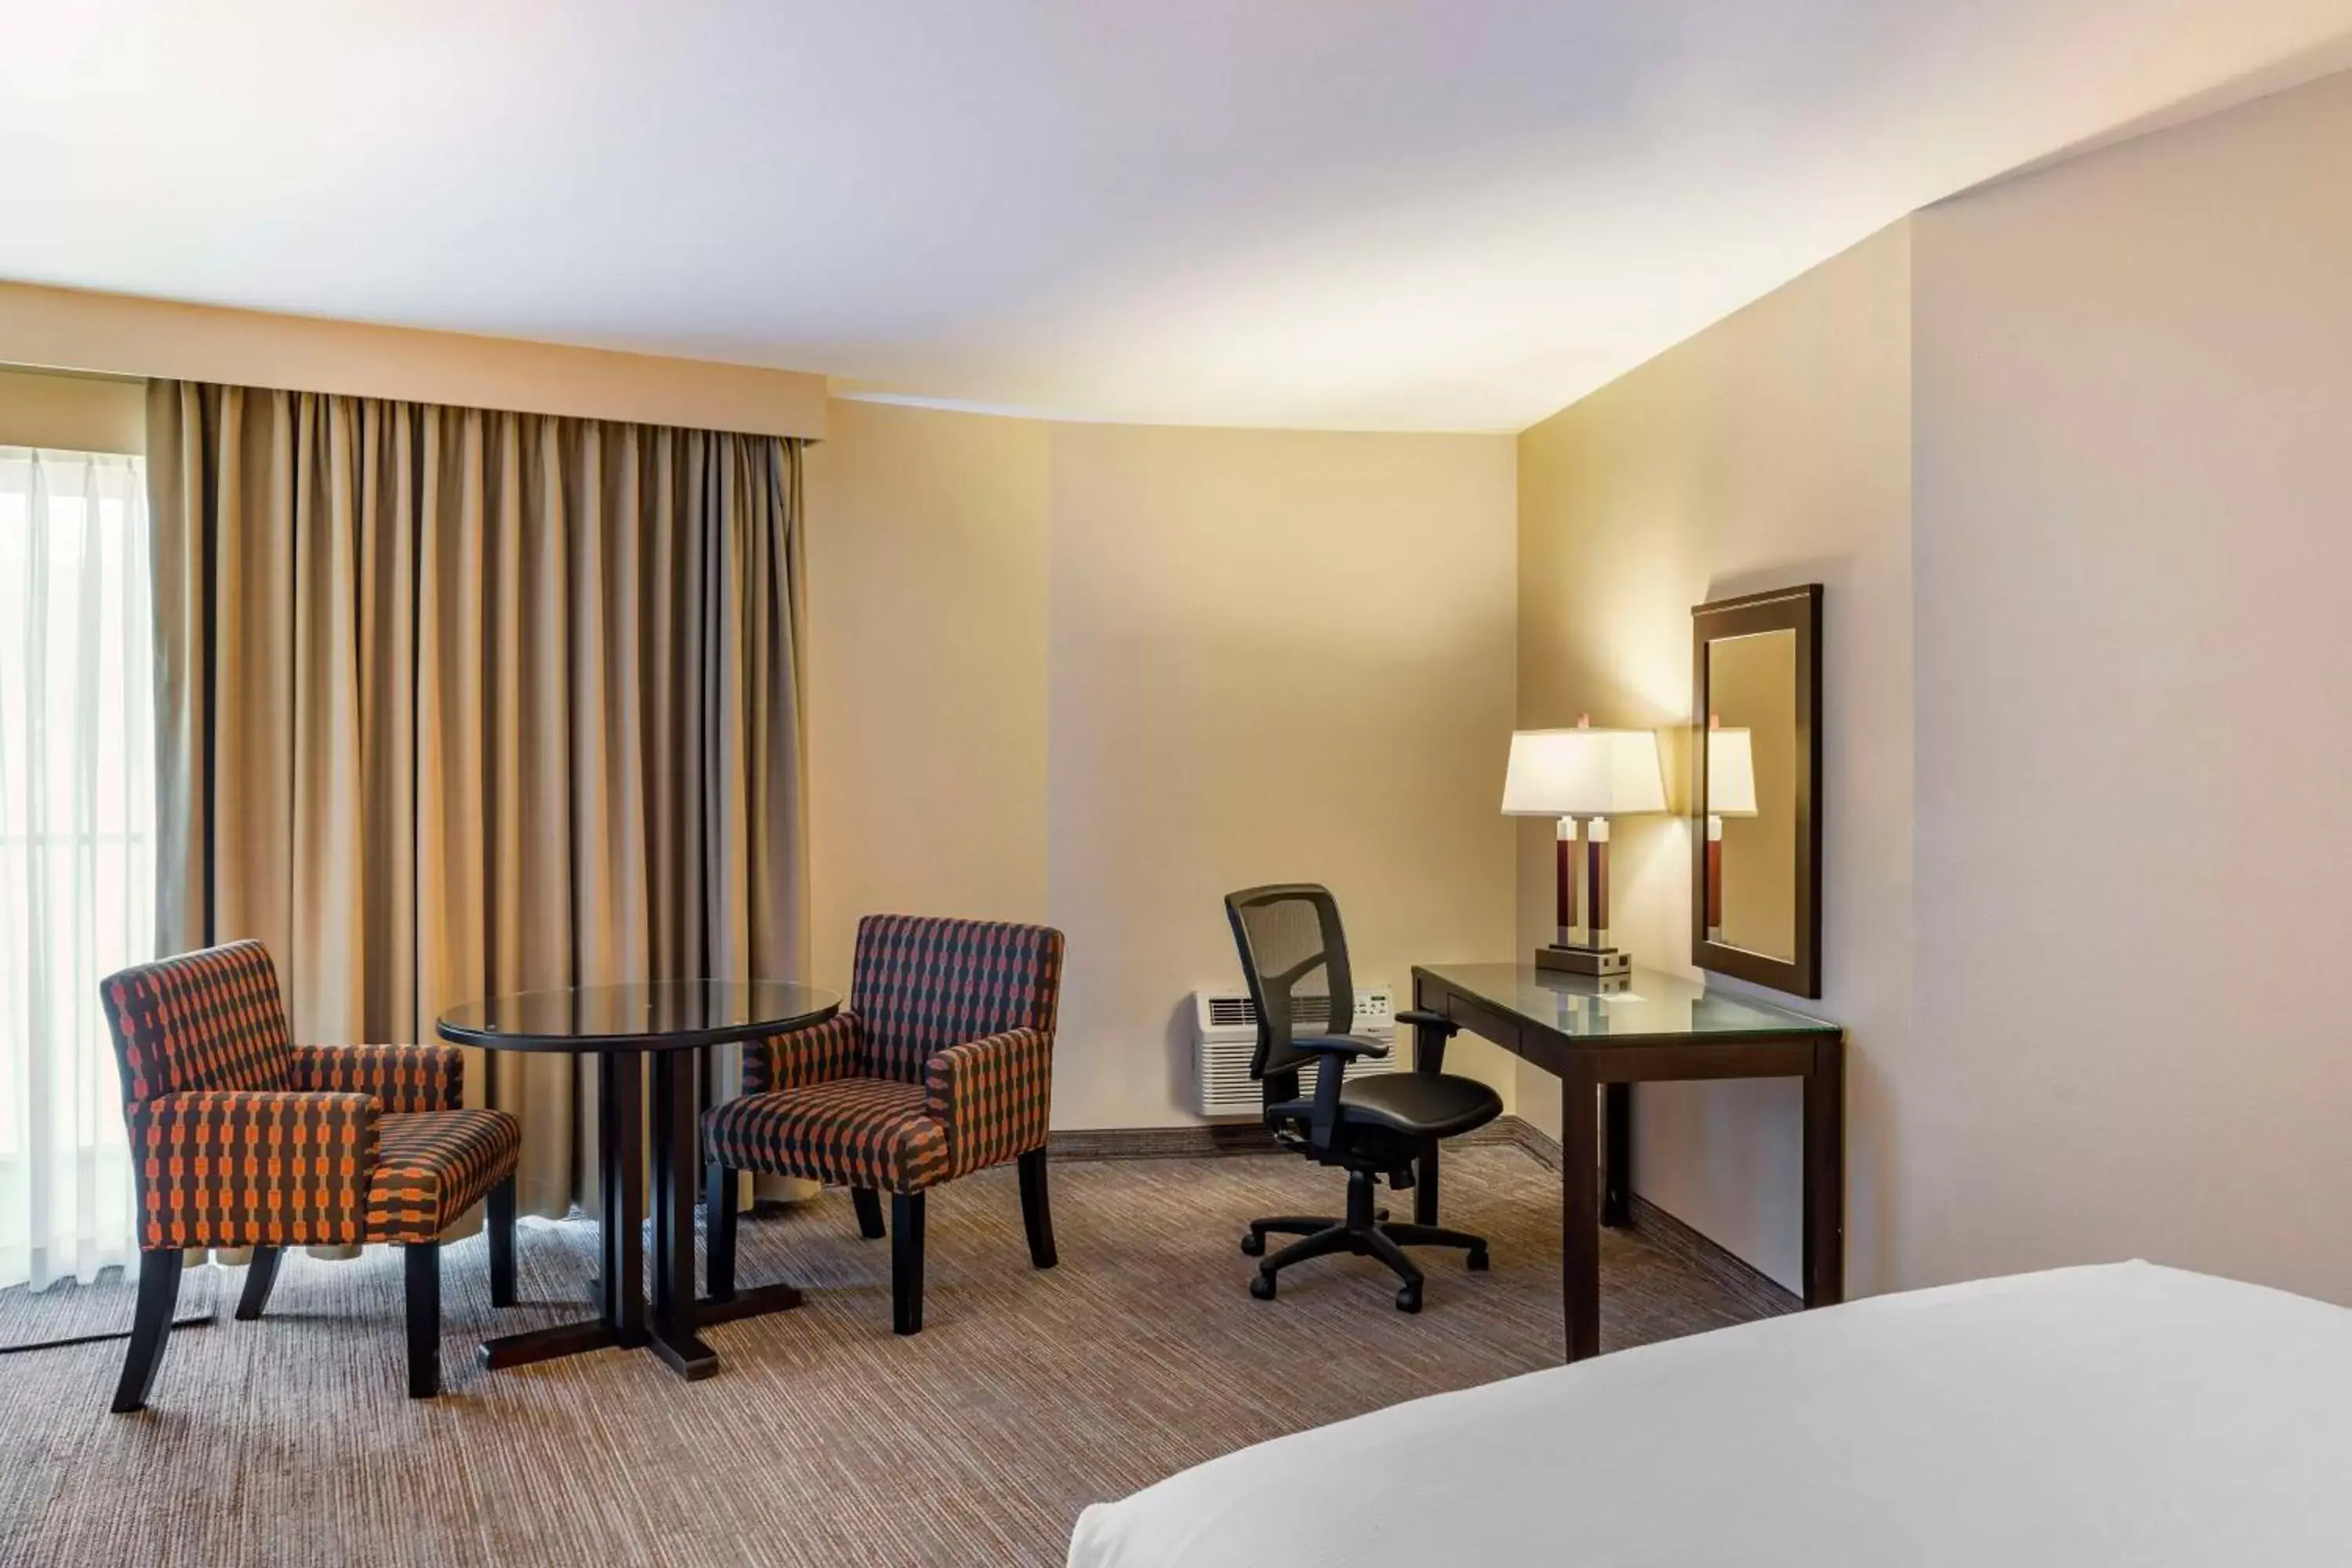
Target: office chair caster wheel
1253, 1245
1409, 1298
1262, 1287
1476, 1261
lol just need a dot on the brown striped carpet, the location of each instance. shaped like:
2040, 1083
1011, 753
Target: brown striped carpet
824, 1440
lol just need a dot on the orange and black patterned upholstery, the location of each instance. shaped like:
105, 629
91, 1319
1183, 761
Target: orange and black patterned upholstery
405, 1080
942, 1064
430, 1168
205, 1020
871, 1133
226, 1167
239, 1138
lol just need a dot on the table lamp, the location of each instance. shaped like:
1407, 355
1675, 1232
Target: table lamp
1730, 792
1593, 774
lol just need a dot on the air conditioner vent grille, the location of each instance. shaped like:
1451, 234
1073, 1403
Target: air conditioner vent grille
1225, 1037
1238, 1011
1233, 1012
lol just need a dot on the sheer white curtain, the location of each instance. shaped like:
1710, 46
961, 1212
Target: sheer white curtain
77, 847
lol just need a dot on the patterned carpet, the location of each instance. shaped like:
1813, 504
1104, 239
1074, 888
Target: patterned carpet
824, 1440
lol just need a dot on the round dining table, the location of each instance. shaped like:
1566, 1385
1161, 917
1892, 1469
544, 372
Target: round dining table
665, 1025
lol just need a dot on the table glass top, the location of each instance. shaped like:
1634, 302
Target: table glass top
1647, 1004
680, 1012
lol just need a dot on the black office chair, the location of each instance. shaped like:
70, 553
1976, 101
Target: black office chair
1291, 948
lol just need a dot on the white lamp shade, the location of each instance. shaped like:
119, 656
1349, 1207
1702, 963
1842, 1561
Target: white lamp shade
1730, 774
1583, 773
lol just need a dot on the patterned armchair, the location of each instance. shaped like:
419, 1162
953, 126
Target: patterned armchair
942, 1065
239, 1138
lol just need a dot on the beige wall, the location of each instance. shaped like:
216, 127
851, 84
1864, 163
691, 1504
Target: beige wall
73, 412
2134, 511
2070, 453
1101, 675
1773, 449
926, 676
1275, 656
65, 329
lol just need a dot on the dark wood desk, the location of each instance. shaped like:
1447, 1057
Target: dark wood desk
1652, 1028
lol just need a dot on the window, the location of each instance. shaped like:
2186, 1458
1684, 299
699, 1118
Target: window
77, 847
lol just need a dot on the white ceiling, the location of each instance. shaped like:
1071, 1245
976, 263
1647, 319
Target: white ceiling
1389, 214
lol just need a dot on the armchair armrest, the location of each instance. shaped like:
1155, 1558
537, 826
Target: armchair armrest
1421, 1018
994, 1095
798, 1058
405, 1079
238, 1168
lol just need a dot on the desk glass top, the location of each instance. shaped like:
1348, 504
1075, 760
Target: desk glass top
1648, 1004
663, 1015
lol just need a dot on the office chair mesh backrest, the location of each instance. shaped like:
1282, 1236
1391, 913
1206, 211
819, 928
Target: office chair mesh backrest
1291, 947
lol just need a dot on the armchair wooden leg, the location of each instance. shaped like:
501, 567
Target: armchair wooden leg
719, 1218
1036, 1210
498, 1220
159, 1291
423, 1267
906, 1263
869, 1212
260, 1278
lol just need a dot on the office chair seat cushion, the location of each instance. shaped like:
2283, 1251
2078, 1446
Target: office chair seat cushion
1417, 1104
1425, 1104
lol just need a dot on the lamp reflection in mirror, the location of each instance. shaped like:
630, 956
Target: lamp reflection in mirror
1730, 792
1593, 775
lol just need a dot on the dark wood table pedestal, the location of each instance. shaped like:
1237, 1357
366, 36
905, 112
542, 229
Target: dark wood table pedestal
623, 1322
635, 1033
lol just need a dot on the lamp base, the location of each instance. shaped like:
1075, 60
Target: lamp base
1584, 960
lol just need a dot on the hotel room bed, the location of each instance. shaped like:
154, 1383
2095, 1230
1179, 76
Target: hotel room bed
2084, 1417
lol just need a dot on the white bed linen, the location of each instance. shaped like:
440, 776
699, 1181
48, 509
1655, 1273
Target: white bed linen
2084, 1417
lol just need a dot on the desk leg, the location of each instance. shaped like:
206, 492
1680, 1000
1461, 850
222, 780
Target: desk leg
1617, 1182
1424, 1184
1825, 1175
1580, 1209
1428, 1056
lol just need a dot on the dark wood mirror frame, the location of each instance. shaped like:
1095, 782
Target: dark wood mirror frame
1797, 610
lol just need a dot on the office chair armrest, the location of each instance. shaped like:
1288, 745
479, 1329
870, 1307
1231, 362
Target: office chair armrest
1336, 1051
1348, 1046
1430, 1033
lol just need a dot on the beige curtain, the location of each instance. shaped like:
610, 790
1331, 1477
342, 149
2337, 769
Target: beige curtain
454, 702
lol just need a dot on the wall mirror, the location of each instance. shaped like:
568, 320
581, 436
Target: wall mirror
1756, 762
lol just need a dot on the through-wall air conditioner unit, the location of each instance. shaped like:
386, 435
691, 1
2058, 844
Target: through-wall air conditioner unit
1225, 1036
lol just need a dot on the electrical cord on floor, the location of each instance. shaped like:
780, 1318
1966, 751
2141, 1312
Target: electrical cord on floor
204, 1320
